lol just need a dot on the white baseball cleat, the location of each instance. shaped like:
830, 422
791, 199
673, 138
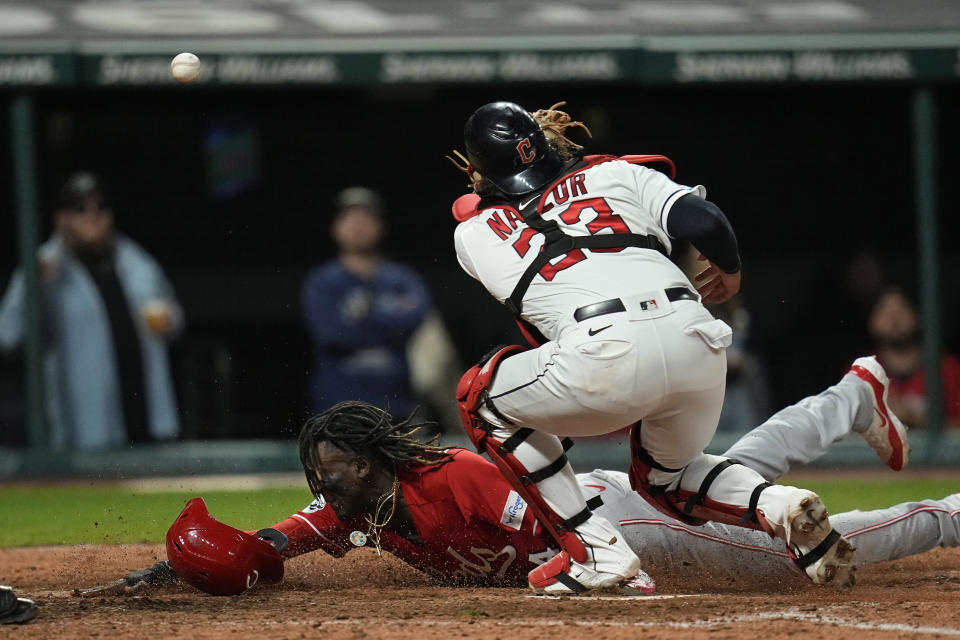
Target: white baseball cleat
886, 434
610, 563
816, 548
639, 585
563, 576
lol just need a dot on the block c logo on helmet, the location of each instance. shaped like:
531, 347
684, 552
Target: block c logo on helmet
526, 151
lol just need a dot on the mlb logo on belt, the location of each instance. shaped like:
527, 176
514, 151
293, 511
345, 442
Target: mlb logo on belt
648, 305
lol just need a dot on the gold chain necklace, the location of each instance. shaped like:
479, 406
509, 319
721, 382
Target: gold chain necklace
375, 524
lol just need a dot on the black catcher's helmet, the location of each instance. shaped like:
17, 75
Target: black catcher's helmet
507, 146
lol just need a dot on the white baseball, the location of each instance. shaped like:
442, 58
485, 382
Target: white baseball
185, 67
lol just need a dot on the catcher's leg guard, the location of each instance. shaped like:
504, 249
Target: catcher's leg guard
471, 396
796, 516
535, 464
693, 507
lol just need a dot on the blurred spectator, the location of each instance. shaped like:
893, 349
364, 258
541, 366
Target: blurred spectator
894, 327
746, 400
361, 310
864, 281
108, 310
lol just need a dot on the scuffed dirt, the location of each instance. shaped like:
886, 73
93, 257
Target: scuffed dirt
365, 596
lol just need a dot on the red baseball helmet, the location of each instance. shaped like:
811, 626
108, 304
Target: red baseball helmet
217, 558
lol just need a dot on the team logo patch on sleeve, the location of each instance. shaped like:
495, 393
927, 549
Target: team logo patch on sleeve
513, 511
316, 505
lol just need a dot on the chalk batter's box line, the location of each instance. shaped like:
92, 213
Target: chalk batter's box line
787, 614
770, 616
669, 596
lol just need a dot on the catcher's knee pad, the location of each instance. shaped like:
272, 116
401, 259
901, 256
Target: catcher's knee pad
692, 507
471, 395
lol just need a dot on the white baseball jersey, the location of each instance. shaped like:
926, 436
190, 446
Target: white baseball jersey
496, 246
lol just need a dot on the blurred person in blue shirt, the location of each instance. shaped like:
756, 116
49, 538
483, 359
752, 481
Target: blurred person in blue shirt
361, 310
108, 312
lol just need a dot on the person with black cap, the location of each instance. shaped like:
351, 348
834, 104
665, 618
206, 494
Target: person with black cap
360, 310
108, 313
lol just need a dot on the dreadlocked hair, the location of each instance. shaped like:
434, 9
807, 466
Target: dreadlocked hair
363, 428
554, 124
463, 164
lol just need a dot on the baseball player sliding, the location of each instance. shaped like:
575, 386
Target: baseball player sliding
577, 248
447, 513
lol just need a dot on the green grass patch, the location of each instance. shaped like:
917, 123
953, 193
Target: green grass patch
76, 515
847, 494
101, 515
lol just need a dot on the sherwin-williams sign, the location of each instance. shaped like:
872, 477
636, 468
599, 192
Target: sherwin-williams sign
116, 64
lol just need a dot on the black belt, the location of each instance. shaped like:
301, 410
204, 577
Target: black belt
615, 305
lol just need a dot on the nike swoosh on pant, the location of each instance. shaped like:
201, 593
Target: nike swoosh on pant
593, 332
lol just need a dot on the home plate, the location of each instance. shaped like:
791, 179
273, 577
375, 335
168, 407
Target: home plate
667, 596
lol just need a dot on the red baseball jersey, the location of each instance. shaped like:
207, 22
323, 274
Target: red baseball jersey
474, 528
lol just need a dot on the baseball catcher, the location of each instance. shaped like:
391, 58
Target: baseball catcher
577, 248
449, 514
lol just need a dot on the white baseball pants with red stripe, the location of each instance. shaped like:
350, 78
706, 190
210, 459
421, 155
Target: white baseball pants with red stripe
800, 433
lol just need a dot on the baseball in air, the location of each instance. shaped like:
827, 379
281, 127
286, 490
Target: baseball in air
185, 67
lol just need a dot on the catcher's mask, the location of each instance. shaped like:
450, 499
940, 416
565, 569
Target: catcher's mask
217, 558
507, 146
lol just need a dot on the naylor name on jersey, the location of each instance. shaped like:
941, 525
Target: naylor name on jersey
504, 221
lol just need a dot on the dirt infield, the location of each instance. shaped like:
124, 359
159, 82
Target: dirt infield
363, 596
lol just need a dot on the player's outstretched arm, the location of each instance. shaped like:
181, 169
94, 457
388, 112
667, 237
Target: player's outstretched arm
159, 575
315, 527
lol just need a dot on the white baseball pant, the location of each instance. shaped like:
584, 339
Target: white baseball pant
664, 364
798, 434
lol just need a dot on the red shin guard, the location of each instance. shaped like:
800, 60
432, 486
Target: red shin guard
471, 395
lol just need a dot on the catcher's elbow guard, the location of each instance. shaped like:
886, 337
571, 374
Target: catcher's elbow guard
215, 557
